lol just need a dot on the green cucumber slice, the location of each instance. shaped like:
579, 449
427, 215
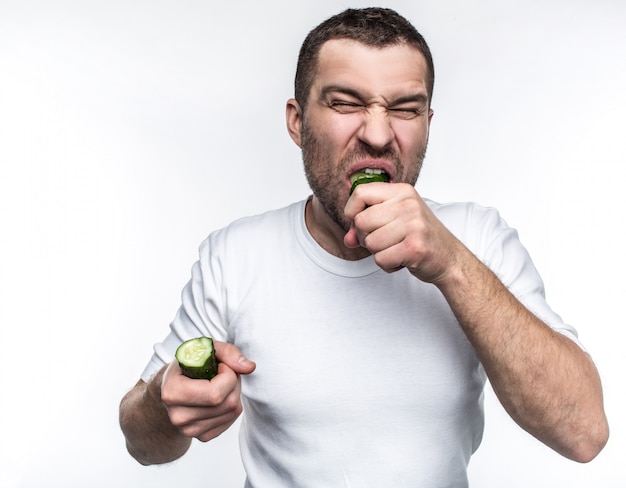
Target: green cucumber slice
367, 176
196, 358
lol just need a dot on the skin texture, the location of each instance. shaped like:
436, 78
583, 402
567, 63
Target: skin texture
548, 385
391, 128
369, 107
159, 418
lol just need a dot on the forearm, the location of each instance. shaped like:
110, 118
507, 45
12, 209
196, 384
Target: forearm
548, 385
150, 436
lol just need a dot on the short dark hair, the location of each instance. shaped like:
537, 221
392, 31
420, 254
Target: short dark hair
375, 26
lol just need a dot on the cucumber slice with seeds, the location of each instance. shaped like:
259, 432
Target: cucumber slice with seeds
196, 358
367, 176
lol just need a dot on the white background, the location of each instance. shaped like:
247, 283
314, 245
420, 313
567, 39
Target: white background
130, 129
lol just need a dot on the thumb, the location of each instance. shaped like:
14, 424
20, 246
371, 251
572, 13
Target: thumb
230, 355
351, 240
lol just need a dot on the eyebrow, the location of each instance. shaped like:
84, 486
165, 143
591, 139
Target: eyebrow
340, 89
415, 97
418, 97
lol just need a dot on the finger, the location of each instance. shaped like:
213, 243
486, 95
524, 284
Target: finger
230, 355
209, 429
365, 196
367, 219
193, 417
178, 390
383, 235
376, 227
390, 259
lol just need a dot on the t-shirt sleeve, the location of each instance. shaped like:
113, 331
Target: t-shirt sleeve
500, 248
202, 310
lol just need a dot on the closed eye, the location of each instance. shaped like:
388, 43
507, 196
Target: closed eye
406, 113
345, 107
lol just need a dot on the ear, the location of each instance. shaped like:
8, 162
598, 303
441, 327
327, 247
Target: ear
294, 121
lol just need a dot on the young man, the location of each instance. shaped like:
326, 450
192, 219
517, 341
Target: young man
374, 318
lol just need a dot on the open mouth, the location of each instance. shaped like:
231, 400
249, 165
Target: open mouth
367, 175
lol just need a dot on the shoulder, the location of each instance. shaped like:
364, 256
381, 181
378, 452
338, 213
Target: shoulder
467, 218
483, 230
253, 231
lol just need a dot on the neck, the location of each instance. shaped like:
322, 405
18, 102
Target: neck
328, 234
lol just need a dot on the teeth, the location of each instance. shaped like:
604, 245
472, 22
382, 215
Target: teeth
366, 172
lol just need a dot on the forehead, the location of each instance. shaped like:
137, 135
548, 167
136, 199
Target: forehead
371, 70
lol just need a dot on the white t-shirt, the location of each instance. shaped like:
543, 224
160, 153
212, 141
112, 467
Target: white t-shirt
363, 378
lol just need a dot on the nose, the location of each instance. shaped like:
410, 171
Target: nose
376, 130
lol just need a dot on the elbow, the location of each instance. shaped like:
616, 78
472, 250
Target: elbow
590, 432
139, 456
150, 437
589, 445
129, 427
594, 447
149, 454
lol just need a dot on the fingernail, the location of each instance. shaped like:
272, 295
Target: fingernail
244, 361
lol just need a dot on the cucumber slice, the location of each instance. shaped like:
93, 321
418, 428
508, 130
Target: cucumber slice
367, 176
196, 358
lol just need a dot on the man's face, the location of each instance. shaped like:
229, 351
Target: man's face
368, 108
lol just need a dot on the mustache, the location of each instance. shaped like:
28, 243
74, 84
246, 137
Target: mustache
363, 151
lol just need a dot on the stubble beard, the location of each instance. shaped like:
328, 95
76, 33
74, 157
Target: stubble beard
326, 177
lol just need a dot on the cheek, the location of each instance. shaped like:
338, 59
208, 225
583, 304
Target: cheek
411, 139
337, 132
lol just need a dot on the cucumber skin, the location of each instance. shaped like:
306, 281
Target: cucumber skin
205, 372
369, 179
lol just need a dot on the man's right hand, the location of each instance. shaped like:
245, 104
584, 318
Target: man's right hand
205, 409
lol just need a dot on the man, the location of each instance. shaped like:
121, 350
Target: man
374, 318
